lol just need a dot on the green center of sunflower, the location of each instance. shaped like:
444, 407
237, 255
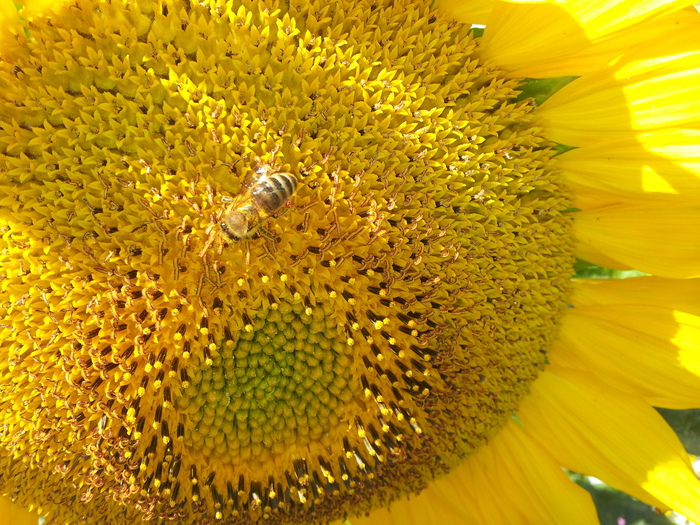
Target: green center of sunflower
361, 333
283, 382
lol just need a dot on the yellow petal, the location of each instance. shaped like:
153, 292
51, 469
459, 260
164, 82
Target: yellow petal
649, 164
590, 254
587, 198
657, 239
446, 501
9, 17
681, 295
595, 430
650, 88
471, 12
514, 464
570, 37
649, 351
13, 514
517, 465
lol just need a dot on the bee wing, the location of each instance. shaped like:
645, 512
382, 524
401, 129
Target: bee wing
246, 190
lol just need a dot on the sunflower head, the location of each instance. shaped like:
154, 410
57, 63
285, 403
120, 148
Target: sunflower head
372, 325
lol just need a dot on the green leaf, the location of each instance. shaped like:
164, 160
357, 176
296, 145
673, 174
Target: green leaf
686, 424
586, 270
614, 506
542, 88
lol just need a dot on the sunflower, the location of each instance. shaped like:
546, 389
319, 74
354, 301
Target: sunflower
300, 262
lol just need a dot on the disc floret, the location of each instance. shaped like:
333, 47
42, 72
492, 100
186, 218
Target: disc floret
369, 338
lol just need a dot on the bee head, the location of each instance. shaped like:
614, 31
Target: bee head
235, 225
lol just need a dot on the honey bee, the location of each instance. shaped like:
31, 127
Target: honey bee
262, 196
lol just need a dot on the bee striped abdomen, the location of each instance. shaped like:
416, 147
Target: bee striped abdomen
273, 191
